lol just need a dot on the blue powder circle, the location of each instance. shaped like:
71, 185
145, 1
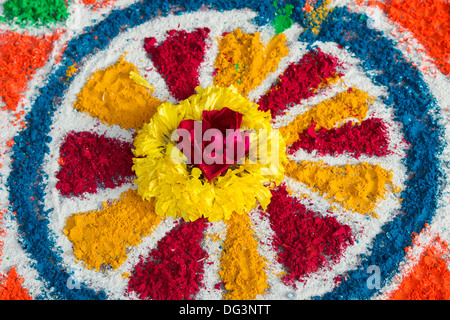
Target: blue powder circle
408, 95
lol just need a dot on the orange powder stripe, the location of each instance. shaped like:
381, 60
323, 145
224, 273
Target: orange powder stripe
242, 268
101, 237
11, 287
98, 4
429, 21
356, 187
353, 103
429, 279
244, 61
114, 98
20, 56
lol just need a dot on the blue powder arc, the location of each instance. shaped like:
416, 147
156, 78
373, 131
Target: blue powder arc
408, 95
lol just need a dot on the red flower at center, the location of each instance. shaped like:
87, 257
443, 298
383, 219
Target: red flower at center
214, 143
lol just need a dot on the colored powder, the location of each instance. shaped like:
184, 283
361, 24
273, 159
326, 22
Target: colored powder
178, 59
315, 17
114, 98
353, 103
35, 12
2, 233
282, 20
98, 4
410, 104
26, 184
428, 21
174, 270
244, 61
307, 7
369, 138
20, 56
413, 104
101, 237
90, 161
300, 81
429, 278
71, 71
305, 241
11, 287
356, 187
242, 267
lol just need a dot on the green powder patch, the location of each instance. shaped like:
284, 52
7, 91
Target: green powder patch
35, 12
282, 20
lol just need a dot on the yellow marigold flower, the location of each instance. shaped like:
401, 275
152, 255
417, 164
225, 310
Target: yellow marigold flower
183, 192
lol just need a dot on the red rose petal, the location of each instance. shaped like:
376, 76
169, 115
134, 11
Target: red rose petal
229, 149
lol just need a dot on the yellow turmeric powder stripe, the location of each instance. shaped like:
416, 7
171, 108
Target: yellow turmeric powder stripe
315, 17
244, 61
114, 98
356, 187
71, 71
101, 237
242, 267
353, 103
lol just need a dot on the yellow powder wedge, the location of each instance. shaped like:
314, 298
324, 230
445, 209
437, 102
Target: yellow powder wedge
101, 237
358, 188
353, 103
244, 61
242, 267
115, 98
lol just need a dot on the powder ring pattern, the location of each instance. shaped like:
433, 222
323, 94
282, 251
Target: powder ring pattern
32, 216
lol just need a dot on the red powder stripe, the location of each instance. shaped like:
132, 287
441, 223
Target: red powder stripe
305, 240
300, 81
174, 270
369, 138
90, 161
178, 59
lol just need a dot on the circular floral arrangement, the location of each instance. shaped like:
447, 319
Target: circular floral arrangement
217, 151
205, 192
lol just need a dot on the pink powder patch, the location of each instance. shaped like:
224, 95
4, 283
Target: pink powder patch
90, 161
300, 81
178, 59
369, 138
174, 270
305, 240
